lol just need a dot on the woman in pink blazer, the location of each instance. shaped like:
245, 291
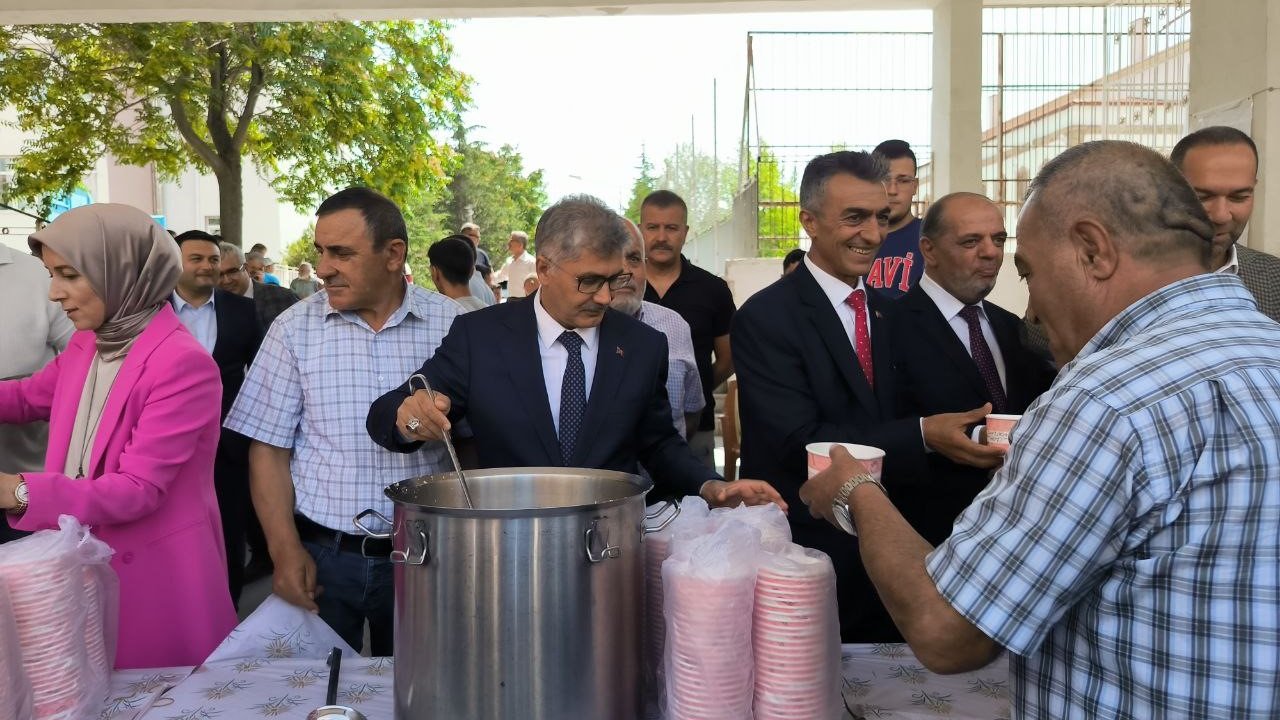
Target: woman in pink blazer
133, 408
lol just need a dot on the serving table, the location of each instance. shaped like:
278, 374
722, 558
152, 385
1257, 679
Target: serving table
273, 665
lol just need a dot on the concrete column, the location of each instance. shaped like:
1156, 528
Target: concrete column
1235, 54
957, 96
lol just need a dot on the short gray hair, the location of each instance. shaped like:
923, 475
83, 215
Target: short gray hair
1133, 191
521, 237
868, 167
255, 256
229, 250
580, 223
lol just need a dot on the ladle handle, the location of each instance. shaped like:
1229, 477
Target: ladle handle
448, 442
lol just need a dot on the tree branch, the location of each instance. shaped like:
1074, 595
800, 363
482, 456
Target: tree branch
216, 121
201, 148
257, 79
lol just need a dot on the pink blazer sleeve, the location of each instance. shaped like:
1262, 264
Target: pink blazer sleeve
174, 403
31, 398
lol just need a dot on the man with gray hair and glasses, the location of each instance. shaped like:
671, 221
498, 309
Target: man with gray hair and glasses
1126, 554
591, 381
235, 277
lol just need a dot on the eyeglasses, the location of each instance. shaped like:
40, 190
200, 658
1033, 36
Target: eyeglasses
591, 284
234, 270
903, 180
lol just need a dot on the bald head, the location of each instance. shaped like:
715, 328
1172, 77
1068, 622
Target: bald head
1105, 224
1133, 192
962, 241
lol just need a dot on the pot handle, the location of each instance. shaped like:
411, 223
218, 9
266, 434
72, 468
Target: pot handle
671, 505
397, 556
589, 537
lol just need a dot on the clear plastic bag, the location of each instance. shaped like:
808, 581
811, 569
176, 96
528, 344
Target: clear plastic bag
15, 687
796, 633
709, 594
775, 531
657, 546
63, 596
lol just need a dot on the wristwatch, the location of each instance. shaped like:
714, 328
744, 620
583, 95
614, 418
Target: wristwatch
840, 505
20, 496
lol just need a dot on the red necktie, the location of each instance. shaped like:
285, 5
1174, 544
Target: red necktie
861, 338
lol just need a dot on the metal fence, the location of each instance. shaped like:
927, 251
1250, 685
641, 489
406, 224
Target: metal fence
813, 92
1053, 77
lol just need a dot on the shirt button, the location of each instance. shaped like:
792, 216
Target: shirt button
126, 558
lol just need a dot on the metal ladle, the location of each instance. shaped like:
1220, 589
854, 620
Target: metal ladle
448, 442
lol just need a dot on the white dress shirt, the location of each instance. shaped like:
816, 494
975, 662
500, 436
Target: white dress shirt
1233, 263
514, 272
555, 357
950, 308
837, 291
201, 321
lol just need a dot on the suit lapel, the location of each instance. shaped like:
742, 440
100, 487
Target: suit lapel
933, 325
611, 363
881, 354
526, 376
222, 326
834, 338
161, 327
1010, 344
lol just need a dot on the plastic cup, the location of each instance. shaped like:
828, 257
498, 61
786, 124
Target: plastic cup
998, 429
871, 458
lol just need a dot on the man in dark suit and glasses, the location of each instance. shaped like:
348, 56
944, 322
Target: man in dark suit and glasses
814, 360
953, 351
589, 383
227, 326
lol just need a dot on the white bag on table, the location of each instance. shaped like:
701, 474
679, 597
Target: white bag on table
15, 687
63, 598
657, 546
709, 591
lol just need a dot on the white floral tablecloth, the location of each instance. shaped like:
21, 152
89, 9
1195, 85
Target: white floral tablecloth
273, 665
886, 681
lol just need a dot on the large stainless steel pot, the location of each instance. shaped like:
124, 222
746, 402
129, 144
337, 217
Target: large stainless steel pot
528, 606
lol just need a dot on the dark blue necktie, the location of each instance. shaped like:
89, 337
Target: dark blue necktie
573, 395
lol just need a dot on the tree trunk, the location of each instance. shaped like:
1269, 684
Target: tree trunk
231, 201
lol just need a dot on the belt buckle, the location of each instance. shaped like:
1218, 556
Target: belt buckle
364, 549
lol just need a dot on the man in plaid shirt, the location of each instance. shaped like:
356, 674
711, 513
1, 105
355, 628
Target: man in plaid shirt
1128, 552
312, 465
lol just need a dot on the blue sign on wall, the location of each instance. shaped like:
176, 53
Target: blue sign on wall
65, 202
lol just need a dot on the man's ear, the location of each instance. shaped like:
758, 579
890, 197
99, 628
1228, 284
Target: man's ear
397, 253
1095, 248
808, 222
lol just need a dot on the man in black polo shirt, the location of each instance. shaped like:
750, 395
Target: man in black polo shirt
702, 299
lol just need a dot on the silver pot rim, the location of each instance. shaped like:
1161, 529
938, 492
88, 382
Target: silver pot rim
395, 491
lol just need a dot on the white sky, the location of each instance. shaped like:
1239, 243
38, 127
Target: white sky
579, 96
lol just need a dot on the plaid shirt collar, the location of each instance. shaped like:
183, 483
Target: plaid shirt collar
1172, 300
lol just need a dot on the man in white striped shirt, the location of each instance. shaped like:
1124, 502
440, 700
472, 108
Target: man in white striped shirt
684, 386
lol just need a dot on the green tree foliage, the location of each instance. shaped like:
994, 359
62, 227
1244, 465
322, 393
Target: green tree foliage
314, 106
488, 187
778, 216
707, 186
640, 189
301, 250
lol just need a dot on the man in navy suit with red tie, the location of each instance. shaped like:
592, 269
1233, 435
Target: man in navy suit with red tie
814, 362
573, 383
954, 351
